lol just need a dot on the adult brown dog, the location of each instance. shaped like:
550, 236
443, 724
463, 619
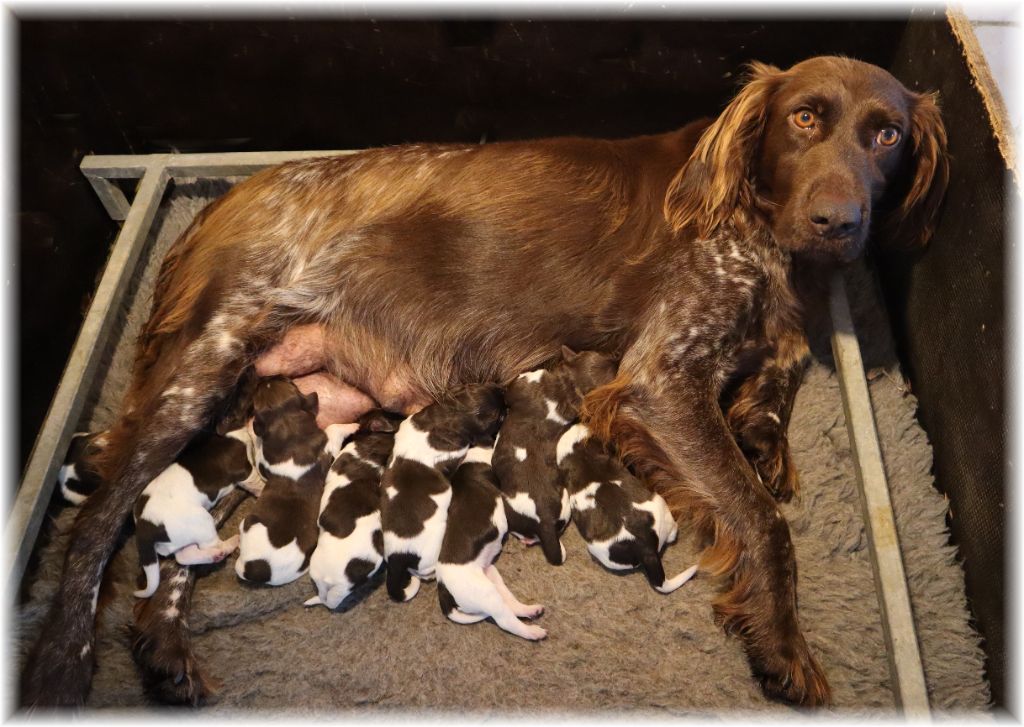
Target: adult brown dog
429, 266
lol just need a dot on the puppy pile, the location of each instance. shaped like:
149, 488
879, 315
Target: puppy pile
431, 496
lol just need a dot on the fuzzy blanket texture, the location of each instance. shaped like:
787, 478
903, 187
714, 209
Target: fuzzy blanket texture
615, 644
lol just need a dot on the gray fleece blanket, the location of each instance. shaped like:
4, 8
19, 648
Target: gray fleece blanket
615, 644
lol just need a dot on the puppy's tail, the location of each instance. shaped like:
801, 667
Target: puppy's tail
650, 563
550, 543
446, 599
146, 536
402, 584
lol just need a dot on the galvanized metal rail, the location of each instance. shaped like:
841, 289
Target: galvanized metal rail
156, 170
905, 667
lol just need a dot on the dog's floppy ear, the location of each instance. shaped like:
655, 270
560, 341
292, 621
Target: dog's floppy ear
716, 181
911, 221
313, 402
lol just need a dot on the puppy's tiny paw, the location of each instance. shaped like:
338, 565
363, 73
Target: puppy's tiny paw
532, 611
534, 633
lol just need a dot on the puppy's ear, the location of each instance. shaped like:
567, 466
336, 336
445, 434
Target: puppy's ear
919, 192
313, 402
568, 355
716, 181
259, 425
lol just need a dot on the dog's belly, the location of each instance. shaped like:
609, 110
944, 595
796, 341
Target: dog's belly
302, 355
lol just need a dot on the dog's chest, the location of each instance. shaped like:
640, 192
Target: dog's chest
737, 295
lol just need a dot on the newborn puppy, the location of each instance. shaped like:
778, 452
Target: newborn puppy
172, 513
77, 477
416, 491
625, 525
541, 406
469, 587
279, 535
351, 545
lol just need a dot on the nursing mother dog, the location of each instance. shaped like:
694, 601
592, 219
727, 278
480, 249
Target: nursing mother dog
405, 271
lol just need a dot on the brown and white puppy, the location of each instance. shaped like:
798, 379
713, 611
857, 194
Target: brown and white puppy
469, 587
624, 524
172, 514
278, 537
541, 406
350, 549
416, 492
77, 476
427, 266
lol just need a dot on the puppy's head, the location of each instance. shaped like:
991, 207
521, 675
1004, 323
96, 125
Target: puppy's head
278, 392
290, 432
588, 369
477, 410
238, 408
380, 421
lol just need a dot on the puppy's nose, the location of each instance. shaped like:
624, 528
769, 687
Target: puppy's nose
835, 217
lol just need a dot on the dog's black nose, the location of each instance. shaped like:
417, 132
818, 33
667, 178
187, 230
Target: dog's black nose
832, 217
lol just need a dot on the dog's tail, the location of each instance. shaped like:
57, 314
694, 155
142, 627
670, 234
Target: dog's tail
402, 584
146, 537
550, 543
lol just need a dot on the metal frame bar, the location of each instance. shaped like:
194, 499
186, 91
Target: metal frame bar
157, 170
55, 435
905, 667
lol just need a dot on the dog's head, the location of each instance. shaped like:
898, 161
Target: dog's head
817, 154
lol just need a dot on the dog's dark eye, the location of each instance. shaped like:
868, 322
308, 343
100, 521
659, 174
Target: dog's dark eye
804, 119
888, 136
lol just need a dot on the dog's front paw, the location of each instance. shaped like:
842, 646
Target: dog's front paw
764, 443
794, 676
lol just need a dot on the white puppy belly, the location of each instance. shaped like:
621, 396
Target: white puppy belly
188, 527
473, 591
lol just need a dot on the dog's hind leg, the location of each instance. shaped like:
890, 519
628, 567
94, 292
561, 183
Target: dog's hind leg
168, 402
162, 640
